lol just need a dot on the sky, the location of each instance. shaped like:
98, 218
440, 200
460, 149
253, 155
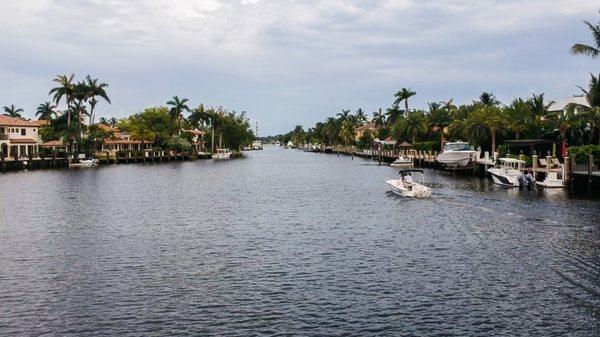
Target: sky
293, 62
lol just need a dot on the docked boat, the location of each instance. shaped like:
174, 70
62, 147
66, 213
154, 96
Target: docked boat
257, 145
402, 162
456, 154
508, 173
222, 154
551, 181
84, 162
406, 185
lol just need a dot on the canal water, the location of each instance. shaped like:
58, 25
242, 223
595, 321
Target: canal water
285, 242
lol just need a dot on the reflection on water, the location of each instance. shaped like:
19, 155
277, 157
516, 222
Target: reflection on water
287, 242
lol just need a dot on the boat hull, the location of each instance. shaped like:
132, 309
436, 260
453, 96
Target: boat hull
455, 158
503, 179
416, 191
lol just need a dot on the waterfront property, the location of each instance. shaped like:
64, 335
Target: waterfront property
19, 138
197, 139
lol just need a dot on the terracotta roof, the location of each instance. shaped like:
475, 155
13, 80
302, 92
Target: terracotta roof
41, 122
54, 143
22, 141
368, 126
11, 121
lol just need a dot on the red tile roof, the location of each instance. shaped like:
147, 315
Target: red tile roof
11, 121
113, 142
54, 143
22, 141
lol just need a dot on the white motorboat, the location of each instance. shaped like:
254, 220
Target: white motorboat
456, 154
222, 154
406, 186
508, 173
257, 145
84, 163
402, 162
551, 181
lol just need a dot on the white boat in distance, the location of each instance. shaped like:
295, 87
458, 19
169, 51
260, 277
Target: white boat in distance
456, 154
551, 181
257, 145
222, 154
508, 173
402, 162
82, 161
407, 187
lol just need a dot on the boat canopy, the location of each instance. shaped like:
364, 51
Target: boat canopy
407, 171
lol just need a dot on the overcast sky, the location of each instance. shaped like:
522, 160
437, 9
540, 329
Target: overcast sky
293, 62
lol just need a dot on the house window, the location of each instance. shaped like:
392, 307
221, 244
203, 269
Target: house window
23, 132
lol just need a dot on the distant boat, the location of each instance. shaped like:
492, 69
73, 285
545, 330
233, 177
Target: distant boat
257, 145
456, 154
551, 181
222, 154
82, 161
406, 186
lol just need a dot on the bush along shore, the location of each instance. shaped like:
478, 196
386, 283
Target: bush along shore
64, 135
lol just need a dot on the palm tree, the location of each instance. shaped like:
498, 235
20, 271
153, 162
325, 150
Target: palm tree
103, 120
591, 51
12, 111
347, 132
330, 129
563, 121
378, 118
199, 116
95, 89
403, 95
360, 116
45, 111
488, 99
439, 118
539, 109
593, 116
345, 114
448, 105
413, 124
112, 122
593, 93
488, 118
518, 116
66, 89
178, 106
393, 114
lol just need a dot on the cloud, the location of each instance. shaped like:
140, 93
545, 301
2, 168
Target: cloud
291, 61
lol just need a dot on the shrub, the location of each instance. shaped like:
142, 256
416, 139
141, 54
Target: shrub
426, 146
580, 153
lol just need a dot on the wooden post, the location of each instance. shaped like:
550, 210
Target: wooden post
565, 172
534, 165
548, 165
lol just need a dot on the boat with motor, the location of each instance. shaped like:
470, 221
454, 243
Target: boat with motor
456, 154
222, 154
406, 186
509, 172
402, 162
551, 181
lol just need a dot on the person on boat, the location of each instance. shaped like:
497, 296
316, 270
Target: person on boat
529, 178
407, 179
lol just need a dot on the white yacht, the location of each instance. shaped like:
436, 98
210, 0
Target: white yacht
508, 173
82, 161
406, 186
222, 154
456, 154
257, 145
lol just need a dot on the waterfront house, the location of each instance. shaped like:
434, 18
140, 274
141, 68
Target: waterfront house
360, 131
577, 103
55, 146
197, 139
19, 138
122, 141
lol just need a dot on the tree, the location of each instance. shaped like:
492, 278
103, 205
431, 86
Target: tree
563, 121
487, 119
103, 120
412, 125
199, 117
439, 118
66, 89
12, 111
488, 99
178, 106
95, 89
518, 116
538, 109
592, 51
593, 93
393, 114
45, 111
347, 132
344, 115
112, 122
360, 117
378, 118
403, 95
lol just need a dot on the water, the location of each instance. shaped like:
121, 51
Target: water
287, 242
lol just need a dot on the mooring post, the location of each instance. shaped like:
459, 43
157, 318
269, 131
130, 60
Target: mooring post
534, 165
565, 171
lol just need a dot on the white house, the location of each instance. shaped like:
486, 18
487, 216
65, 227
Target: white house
19, 137
578, 103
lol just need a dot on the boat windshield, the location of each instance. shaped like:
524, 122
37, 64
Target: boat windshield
457, 147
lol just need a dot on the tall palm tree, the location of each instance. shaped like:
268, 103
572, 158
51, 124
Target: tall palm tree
593, 117
199, 116
344, 115
518, 116
413, 124
330, 130
178, 106
448, 105
488, 99
112, 122
592, 51
12, 111
403, 95
539, 109
95, 90
347, 132
393, 114
66, 89
488, 118
103, 120
45, 111
563, 122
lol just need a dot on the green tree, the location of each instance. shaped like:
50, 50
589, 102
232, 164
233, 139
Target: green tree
178, 106
95, 90
592, 51
412, 125
518, 116
12, 111
539, 109
488, 119
360, 117
439, 119
45, 111
403, 95
593, 93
